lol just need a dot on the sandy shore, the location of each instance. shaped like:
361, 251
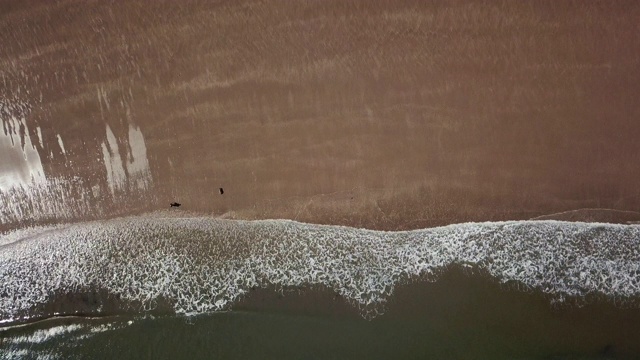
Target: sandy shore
380, 114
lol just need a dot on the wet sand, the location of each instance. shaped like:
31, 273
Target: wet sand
379, 114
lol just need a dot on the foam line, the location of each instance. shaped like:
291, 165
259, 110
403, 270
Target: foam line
201, 264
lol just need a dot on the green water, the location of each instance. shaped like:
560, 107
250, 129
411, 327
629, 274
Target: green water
457, 317
245, 335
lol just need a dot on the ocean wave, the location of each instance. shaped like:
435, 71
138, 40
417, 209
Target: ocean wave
200, 264
40, 336
37, 341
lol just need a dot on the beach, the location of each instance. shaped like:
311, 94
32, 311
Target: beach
461, 173
382, 115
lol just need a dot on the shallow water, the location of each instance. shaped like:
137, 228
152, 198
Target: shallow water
197, 264
458, 317
173, 264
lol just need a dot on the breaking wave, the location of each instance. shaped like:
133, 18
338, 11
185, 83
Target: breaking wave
43, 343
200, 264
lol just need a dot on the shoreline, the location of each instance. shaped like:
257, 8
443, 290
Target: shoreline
395, 179
582, 215
200, 264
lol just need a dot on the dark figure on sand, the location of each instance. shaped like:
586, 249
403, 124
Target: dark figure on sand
175, 204
221, 191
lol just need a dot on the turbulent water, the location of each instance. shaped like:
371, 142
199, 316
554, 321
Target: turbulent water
200, 264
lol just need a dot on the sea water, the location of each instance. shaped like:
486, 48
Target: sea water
164, 282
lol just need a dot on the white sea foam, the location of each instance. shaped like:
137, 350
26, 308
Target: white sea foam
22, 346
202, 264
26, 234
15, 354
40, 336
